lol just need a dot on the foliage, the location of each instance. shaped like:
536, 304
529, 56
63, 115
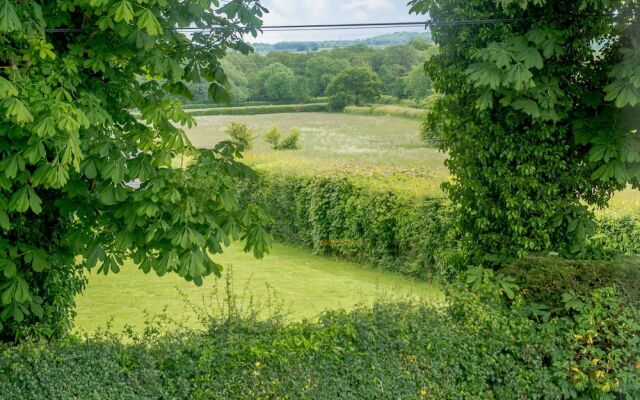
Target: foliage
262, 109
600, 353
554, 128
241, 135
277, 83
335, 215
472, 346
544, 280
386, 352
320, 71
70, 147
353, 86
417, 84
274, 138
618, 235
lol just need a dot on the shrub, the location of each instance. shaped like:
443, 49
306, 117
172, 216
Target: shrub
274, 138
241, 135
267, 109
544, 279
469, 347
388, 230
336, 215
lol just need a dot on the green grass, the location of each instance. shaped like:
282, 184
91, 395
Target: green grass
381, 150
305, 285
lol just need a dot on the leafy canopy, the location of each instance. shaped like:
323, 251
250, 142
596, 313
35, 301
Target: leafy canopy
539, 116
80, 175
354, 85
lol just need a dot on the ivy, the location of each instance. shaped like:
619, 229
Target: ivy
85, 184
554, 130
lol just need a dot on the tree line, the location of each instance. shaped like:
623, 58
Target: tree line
286, 77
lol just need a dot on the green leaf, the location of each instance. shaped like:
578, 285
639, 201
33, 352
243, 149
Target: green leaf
122, 11
45, 127
38, 260
9, 20
149, 22
5, 223
8, 268
34, 201
17, 110
7, 89
19, 200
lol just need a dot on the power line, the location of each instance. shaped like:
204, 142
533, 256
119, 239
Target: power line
284, 28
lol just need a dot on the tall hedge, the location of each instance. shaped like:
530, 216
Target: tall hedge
386, 229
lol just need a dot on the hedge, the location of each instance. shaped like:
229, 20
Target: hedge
466, 349
267, 109
387, 111
336, 215
197, 106
388, 230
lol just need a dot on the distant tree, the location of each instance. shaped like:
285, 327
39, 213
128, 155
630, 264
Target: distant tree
417, 84
320, 71
355, 85
421, 44
277, 83
405, 56
238, 82
392, 77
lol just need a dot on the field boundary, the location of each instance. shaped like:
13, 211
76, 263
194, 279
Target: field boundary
387, 111
265, 109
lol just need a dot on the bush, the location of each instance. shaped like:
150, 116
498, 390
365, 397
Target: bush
336, 215
274, 138
469, 348
241, 135
618, 235
270, 109
388, 230
544, 280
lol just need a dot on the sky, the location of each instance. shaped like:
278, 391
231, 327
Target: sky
304, 12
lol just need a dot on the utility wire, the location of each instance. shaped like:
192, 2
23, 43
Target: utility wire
283, 28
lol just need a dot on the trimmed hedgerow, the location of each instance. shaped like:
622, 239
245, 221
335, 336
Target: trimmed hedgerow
544, 280
387, 111
471, 347
267, 109
336, 215
389, 230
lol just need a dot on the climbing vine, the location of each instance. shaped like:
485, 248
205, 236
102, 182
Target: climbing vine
539, 116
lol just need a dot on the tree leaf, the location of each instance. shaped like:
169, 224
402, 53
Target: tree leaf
149, 22
9, 20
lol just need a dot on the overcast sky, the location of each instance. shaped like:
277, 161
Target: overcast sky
304, 12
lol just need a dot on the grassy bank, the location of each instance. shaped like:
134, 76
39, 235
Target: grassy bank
305, 284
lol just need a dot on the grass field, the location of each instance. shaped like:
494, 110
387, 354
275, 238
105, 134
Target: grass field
382, 150
305, 285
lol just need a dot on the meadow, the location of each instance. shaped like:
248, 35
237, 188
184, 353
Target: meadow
302, 285
381, 151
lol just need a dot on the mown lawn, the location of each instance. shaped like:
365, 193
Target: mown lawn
304, 284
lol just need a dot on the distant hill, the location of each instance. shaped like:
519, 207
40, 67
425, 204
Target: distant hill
391, 39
